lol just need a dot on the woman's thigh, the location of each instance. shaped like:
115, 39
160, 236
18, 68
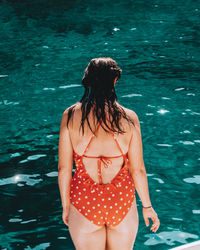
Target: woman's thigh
85, 234
123, 235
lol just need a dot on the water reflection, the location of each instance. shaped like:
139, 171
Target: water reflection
41, 246
169, 238
15, 220
29, 180
162, 111
32, 158
28, 221
179, 219
164, 145
69, 86
186, 142
52, 174
195, 179
196, 211
159, 180
6, 239
131, 95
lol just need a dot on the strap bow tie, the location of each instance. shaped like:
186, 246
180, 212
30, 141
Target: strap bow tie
106, 162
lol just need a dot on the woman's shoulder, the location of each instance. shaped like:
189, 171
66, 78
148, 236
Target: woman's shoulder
75, 106
134, 117
131, 113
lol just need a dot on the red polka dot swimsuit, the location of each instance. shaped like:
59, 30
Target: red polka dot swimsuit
98, 202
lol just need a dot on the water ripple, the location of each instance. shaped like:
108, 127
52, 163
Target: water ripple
15, 220
6, 239
196, 211
15, 155
159, 180
185, 132
131, 95
49, 89
187, 142
179, 89
180, 219
28, 221
52, 174
165, 98
195, 179
41, 246
28, 179
69, 86
32, 158
6, 102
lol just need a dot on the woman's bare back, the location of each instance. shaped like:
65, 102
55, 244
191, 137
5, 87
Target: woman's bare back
102, 144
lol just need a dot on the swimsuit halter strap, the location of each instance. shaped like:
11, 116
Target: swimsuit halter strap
102, 159
91, 139
116, 141
94, 135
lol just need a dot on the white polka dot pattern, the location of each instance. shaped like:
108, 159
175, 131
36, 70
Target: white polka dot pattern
102, 203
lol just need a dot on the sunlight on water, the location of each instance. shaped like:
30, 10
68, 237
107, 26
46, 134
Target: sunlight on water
169, 238
131, 95
41, 246
162, 111
69, 86
195, 179
52, 174
28, 179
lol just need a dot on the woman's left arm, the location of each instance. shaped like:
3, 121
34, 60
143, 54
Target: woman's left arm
65, 165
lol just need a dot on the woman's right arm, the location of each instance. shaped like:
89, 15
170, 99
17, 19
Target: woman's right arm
65, 165
138, 172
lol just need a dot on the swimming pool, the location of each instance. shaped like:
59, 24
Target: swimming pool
44, 54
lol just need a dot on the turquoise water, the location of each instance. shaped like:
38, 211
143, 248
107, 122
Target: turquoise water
45, 47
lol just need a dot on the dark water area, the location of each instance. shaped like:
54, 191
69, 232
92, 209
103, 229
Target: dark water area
45, 47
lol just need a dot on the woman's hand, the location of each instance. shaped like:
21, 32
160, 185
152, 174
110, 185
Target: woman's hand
150, 213
65, 216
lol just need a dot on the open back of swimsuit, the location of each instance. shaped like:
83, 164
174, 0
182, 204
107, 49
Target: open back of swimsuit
98, 202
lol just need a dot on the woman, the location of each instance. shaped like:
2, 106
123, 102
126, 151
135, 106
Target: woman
99, 204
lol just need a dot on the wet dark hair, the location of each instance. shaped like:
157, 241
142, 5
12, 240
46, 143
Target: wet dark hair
98, 81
